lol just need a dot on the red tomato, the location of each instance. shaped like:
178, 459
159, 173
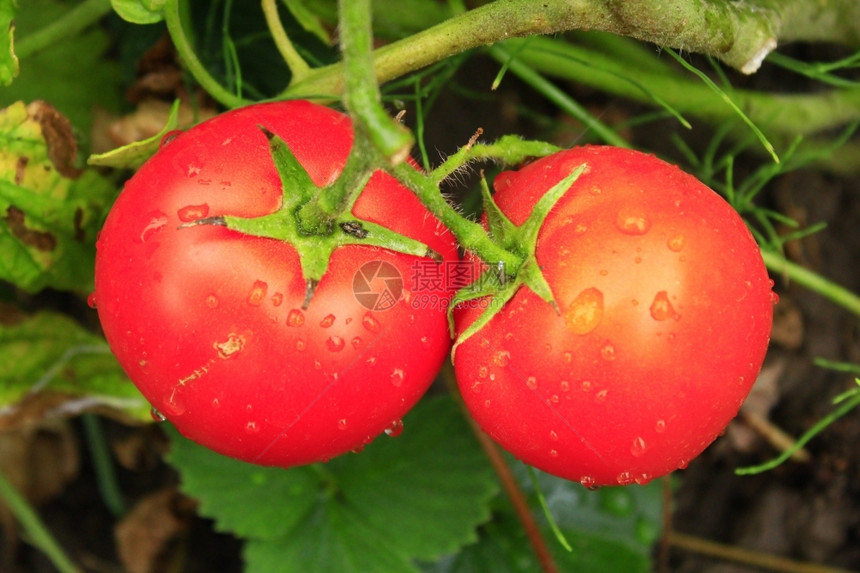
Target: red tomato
665, 320
208, 323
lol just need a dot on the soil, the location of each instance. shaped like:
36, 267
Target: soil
803, 511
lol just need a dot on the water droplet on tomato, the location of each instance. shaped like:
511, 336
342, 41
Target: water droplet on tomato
661, 307
356, 342
157, 221
585, 312
216, 403
600, 397
531, 382
358, 449
638, 448
483, 371
625, 478
193, 212
277, 299
394, 429
341, 424
632, 221
371, 361
774, 298
370, 323
397, 377
553, 436
335, 343
156, 415
564, 385
251, 428
327, 321
580, 229
682, 465
643, 479
660, 426
258, 293
295, 318
585, 386
230, 347
589, 482
169, 137
91, 300
212, 301
553, 453
300, 345
676, 243
568, 356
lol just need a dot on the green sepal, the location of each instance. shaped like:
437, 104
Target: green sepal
501, 287
314, 243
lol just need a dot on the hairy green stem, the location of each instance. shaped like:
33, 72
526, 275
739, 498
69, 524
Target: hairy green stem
173, 20
37, 532
813, 281
362, 97
469, 234
78, 18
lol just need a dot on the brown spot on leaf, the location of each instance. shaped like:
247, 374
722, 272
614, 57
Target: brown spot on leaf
21, 169
39, 240
59, 137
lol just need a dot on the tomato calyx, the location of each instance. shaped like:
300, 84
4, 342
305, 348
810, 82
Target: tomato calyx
498, 283
314, 233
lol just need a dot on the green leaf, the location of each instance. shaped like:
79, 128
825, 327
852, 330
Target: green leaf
53, 366
74, 74
135, 154
50, 211
8, 59
612, 529
419, 495
139, 11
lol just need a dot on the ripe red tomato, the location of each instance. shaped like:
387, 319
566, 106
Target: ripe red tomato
208, 323
665, 320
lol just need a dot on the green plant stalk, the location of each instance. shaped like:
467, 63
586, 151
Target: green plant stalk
78, 18
298, 66
557, 96
738, 34
791, 114
103, 464
173, 20
36, 530
812, 281
362, 97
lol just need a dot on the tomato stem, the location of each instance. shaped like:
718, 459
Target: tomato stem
362, 97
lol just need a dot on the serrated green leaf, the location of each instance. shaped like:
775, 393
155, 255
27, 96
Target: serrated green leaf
50, 359
8, 59
73, 75
612, 529
135, 154
139, 11
419, 495
50, 211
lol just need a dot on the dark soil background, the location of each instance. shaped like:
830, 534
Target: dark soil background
807, 511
